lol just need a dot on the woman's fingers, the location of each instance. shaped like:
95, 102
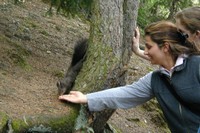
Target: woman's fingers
135, 43
74, 97
137, 33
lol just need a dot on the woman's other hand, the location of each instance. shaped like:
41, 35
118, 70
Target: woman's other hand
136, 45
136, 41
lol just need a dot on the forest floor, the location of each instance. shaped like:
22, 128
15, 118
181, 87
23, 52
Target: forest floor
36, 48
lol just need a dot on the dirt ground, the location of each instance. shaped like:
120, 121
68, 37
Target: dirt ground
35, 49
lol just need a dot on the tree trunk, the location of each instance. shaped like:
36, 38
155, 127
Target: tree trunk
172, 9
109, 50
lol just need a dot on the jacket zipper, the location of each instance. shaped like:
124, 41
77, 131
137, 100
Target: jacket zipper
181, 113
180, 107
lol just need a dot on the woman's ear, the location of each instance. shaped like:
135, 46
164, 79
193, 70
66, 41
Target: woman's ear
198, 34
166, 47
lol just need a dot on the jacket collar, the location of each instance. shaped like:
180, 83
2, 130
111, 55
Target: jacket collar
179, 65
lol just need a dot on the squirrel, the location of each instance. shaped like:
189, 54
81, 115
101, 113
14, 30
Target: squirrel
79, 55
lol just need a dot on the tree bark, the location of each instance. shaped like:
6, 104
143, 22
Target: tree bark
109, 50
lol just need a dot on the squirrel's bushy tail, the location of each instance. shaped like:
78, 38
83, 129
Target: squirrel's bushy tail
79, 51
66, 84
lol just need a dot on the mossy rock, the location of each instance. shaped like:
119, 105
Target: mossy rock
42, 123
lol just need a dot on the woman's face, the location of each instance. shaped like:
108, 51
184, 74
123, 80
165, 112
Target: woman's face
191, 37
155, 54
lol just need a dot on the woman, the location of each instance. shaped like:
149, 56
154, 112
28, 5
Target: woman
188, 23
168, 48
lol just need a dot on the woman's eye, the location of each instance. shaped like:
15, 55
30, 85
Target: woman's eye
179, 30
148, 47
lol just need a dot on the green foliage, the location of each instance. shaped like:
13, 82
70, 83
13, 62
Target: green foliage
18, 124
3, 121
155, 10
149, 10
82, 8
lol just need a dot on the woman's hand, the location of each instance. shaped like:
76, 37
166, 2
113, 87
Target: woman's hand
136, 41
136, 45
74, 97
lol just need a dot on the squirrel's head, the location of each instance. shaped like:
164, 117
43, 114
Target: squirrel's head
64, 86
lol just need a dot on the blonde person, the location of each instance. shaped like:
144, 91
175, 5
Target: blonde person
176, 84
187, 22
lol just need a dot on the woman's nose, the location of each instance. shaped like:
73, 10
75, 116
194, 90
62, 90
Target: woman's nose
145, 51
